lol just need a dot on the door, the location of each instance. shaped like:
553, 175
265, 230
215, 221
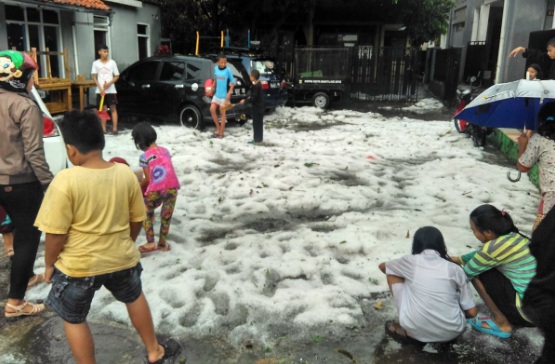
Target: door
166, 93
134, 88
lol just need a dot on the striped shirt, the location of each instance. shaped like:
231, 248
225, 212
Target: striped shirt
510, 255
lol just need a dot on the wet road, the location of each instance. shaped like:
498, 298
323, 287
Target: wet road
40, 339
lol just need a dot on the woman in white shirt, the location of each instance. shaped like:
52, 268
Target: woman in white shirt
431, 292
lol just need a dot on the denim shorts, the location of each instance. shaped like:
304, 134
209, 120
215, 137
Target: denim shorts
71, 297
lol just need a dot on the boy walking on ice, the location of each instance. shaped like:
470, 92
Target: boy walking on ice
90, 239
222, 95
105, 73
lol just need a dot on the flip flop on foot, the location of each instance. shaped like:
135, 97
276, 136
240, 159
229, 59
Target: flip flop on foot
10, 252
493, 329
393, 329
144, 249
171, 350
164, 247
36, 279
16, 311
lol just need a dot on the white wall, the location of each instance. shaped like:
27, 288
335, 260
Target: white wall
124, 32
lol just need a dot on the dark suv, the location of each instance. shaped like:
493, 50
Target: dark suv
271, 79
171, 88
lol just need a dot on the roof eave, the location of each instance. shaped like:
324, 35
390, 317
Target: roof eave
49, 5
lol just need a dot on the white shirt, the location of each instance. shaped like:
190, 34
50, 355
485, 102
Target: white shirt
433, 297
105, 73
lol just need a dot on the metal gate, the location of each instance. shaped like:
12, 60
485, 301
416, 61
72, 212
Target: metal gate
476, 59
388, 73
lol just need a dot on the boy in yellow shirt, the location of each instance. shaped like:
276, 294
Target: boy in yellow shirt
90, 239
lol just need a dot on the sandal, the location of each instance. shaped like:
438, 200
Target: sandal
493, 329
143, 249
164, 247
19, 310
36, 279
171, 350
10, 252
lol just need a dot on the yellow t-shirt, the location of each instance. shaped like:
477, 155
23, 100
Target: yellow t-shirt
94, 208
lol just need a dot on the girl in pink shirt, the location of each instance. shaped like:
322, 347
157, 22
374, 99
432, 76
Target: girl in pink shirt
160, 185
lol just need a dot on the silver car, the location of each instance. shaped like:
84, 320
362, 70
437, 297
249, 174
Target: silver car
54, 146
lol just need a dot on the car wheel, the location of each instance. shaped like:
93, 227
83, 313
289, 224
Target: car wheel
190, 116
321, 100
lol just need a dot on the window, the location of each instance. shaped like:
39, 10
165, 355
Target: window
36, 28
143, 72
142, 40
265, 67
194, 71
172, 71
101, 26
238, 72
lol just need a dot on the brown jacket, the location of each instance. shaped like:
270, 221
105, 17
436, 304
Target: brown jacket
22, 157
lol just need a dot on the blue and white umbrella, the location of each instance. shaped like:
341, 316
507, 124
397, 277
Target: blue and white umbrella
510, 105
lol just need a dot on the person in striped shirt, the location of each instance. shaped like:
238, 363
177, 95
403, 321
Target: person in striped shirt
500, 271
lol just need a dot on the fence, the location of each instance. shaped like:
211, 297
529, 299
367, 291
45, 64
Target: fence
476, 59
389, 74
442, 72
386, 73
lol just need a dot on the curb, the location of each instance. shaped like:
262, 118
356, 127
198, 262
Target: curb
505, 141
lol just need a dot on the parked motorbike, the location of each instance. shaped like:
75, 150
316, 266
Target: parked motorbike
477, 133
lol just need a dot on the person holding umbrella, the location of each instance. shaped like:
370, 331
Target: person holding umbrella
540, 148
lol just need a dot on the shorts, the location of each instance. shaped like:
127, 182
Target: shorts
71, 297
218, 101
109, 99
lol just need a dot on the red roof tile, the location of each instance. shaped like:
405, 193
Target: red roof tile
89, 4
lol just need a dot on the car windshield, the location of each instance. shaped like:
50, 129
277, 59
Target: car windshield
266, 67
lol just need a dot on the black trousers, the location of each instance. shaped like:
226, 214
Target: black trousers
22, 203
503, 294
258, 126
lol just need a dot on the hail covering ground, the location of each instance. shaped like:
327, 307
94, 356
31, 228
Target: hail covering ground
285, 238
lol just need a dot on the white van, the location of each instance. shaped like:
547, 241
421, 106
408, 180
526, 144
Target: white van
54, 146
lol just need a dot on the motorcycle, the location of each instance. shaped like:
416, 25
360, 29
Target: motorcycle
477, 133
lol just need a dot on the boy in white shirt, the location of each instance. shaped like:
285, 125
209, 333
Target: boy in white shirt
105, 74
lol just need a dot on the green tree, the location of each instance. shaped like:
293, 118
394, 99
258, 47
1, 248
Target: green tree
425, 19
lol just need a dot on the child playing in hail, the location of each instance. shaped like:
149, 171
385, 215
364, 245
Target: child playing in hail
500, 270
160, 185
430, 291
90, 239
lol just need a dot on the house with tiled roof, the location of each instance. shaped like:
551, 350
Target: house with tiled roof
130, 28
